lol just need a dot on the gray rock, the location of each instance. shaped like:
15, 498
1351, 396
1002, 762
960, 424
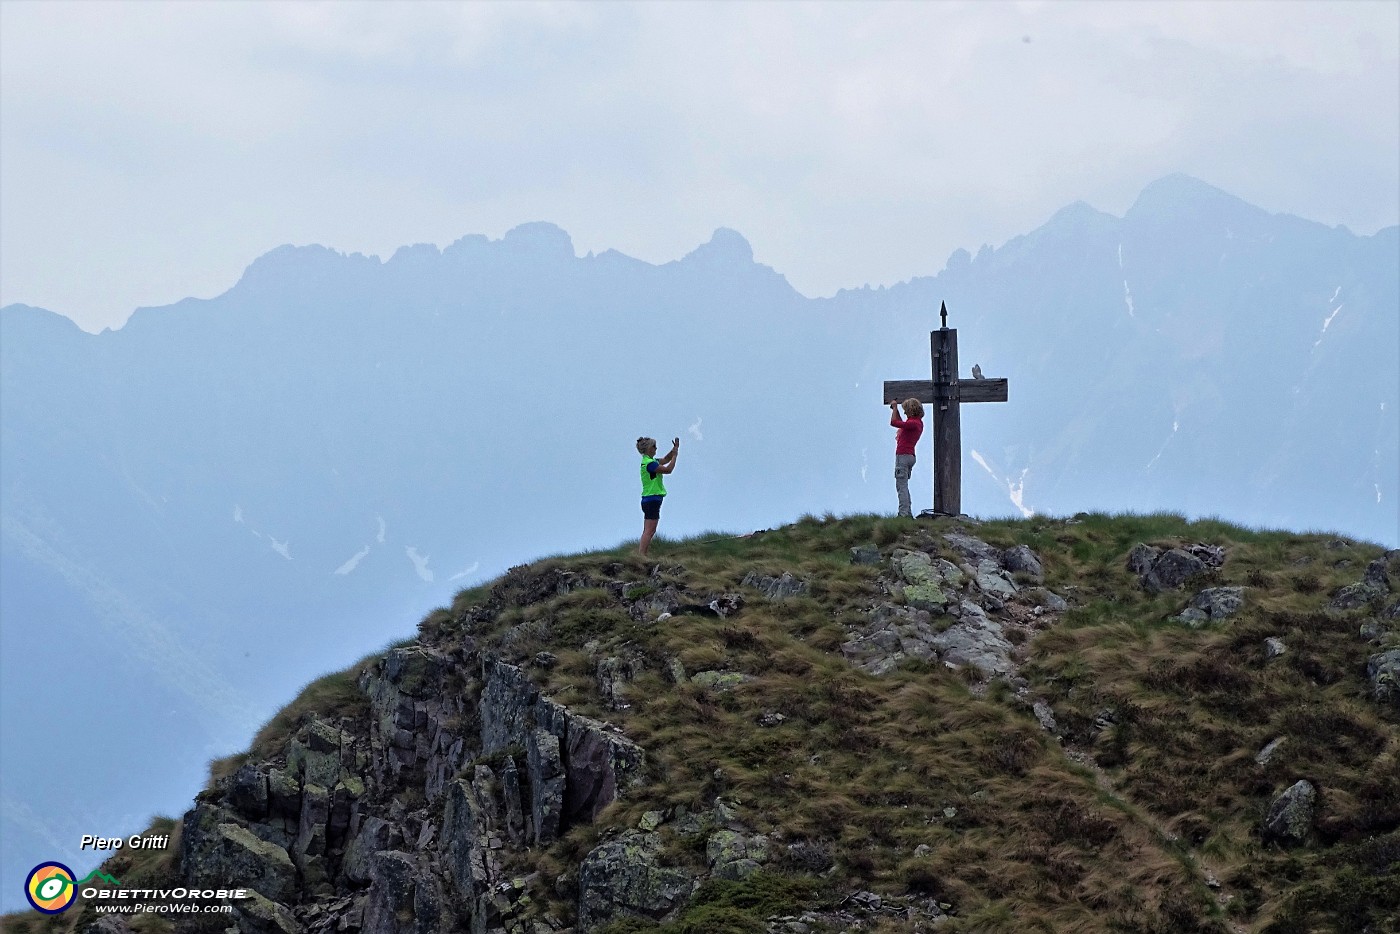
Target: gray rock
599, 767
374, 836
913, 567
1376, 574
975, 640
948, 574
1192, 616
725, 605
1019, 559
1044, 716
735, 856
1274, 647
417, 670
545, 770
546, 659
623, 877
1047, 599
404, 897
1171, 570
283, 793
1219, 602
512, 805
992, 580
612, 675
1290, 817
928, 597
315, 754
771, 719
676, 670
1384, 671
310, 843
1141, 559
256, 915
651, 820
248, 792
1268, 751
1355, 596
865, 554
221, 854
974, 549
468, 862
776, 588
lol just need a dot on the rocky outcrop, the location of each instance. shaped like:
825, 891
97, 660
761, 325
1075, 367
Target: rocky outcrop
597, 763
1383, 671
1290, 818
623, 877
951, 612
219, 853
1212, 605
733, 855
866, 554
1021, 560
776, 588
975, 640
1159, 570
1355, 596
404, 897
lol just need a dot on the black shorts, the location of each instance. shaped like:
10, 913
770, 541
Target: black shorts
651, 509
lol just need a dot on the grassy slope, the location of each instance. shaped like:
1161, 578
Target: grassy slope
1120, 835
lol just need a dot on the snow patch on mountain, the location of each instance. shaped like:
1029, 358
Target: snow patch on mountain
1327, 322
1176, 426
1015, 489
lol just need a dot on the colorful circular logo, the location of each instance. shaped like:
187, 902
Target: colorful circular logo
50, 888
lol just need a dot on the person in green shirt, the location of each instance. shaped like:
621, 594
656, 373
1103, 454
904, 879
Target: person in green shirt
653, 489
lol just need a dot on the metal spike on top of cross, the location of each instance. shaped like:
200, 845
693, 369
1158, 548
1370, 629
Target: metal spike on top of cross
946, 393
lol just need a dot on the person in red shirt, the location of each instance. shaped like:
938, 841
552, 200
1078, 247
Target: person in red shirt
911, 426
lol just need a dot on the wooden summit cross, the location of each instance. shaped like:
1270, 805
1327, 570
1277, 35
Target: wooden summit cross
946, 392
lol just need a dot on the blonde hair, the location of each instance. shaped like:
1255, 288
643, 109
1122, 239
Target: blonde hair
643, 443
913, 408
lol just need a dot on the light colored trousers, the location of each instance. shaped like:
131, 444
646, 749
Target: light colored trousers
903, 467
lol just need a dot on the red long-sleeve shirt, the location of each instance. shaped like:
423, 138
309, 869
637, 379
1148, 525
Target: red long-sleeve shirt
909, 431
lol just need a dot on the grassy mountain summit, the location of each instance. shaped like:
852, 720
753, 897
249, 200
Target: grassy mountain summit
1105, 723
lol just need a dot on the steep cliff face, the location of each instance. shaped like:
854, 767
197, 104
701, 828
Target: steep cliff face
401, 817
1099, 723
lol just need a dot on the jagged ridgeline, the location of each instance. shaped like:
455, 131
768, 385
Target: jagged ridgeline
1120, 723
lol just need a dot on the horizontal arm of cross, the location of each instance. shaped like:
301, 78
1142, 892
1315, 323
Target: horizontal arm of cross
969, 390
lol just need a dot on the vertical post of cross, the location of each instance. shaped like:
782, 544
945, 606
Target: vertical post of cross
947, 422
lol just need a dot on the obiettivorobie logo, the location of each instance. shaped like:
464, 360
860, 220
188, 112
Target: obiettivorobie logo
51, 887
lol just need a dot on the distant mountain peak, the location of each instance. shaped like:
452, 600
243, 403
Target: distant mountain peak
540, 237
725, 245
1179, 193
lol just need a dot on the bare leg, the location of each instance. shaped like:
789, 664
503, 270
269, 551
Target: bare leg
648, 530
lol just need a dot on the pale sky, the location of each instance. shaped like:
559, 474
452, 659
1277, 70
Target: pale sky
150, 151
